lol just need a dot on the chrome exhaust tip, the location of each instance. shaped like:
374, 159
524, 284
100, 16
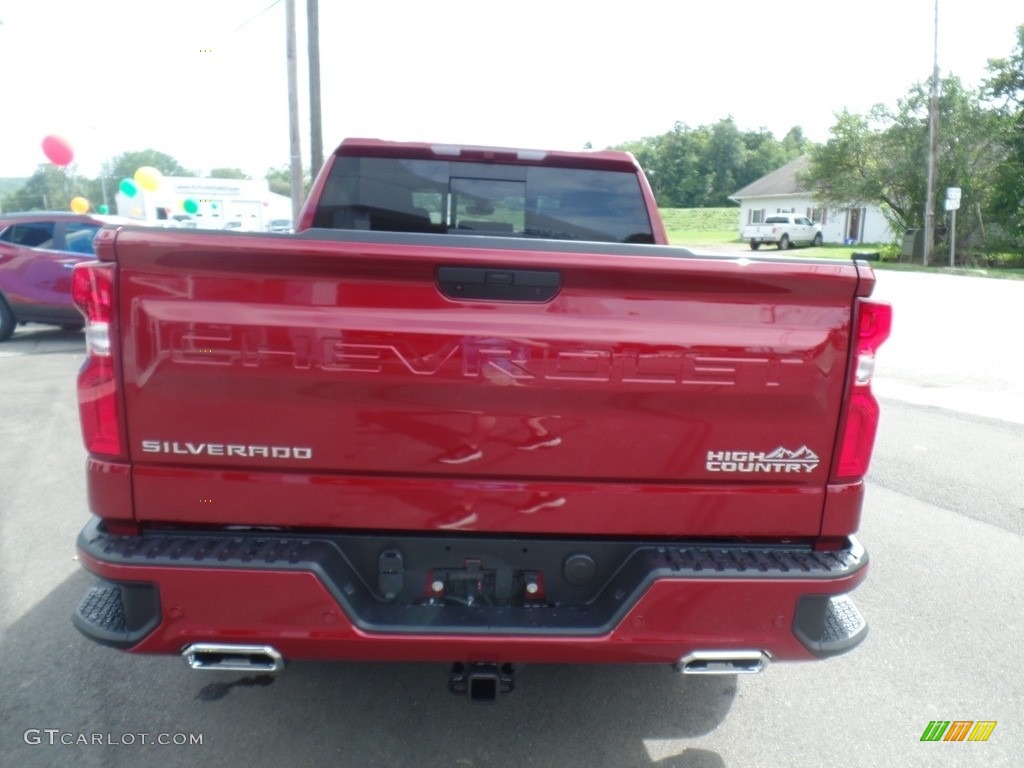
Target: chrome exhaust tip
722, 663
233, 658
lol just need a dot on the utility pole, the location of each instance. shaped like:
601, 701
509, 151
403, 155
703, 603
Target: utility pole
316, 131
103, 184
933, 150
293, 112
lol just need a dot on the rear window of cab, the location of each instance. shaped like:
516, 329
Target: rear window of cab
452, 197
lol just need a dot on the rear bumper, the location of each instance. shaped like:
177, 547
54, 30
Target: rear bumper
351, 597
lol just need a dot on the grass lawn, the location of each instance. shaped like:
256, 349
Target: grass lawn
701, 226
708, 227
702, 238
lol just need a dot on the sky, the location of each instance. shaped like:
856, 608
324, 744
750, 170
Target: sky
206, 81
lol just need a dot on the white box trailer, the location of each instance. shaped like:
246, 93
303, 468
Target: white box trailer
239, 204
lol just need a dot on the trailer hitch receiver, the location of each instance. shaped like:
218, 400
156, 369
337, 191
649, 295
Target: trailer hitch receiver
481, 683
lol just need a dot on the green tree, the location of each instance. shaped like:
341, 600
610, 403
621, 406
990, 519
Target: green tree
843, 171
765, 154
882, 158
226, 173
52, 188
280, 181
126, 164
49, 189
794, 143
671, 162
723, 163
1006, 86
93, 190
700, 167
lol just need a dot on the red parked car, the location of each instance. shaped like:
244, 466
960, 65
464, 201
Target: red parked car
37, 253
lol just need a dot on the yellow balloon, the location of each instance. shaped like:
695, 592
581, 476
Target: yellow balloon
79, 205
148, 178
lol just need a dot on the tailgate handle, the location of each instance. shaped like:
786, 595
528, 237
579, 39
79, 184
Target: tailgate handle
499, 283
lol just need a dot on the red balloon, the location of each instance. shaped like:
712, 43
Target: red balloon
57, 150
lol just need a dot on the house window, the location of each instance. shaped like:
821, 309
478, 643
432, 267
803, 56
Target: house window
755, 216
818, 215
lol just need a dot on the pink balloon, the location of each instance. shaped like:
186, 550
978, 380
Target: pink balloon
57, 150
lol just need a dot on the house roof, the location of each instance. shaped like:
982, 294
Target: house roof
781, 181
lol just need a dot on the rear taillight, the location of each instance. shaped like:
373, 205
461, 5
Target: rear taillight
859, 421
92, 288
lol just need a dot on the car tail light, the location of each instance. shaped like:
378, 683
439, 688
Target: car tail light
859, 420
99, 407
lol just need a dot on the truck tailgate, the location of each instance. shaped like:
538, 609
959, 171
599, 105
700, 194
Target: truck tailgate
358, 381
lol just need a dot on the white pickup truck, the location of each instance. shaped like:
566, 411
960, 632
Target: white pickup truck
782, 230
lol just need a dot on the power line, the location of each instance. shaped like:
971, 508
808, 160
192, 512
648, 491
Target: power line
249, 21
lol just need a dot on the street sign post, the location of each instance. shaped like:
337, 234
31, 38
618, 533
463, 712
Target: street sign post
953, 205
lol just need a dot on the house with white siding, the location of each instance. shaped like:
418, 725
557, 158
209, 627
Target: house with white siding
782, 192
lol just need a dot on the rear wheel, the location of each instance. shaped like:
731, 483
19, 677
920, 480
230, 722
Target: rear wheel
7, 321
784, 243
754, 245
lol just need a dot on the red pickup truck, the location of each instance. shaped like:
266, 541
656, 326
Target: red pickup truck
475, 411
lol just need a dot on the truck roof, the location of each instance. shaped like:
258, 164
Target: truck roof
606, 159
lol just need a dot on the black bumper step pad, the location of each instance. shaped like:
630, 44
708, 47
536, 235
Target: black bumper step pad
618, 573
118, 615
829, 626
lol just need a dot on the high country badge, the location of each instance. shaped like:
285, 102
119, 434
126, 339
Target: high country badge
779, 461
